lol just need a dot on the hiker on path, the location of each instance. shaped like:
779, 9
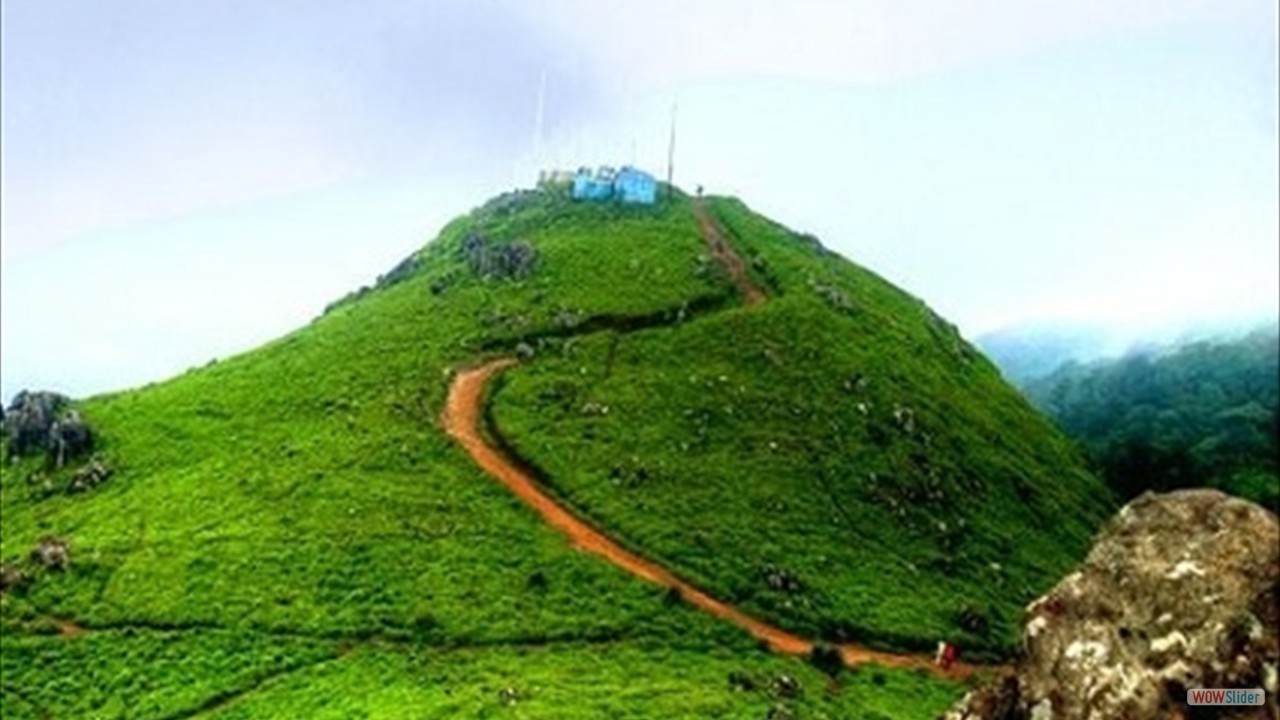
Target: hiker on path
946, 656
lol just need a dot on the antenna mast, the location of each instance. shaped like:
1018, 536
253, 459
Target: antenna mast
671, 152
537, 122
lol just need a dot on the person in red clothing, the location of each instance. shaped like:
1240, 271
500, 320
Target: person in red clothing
946, 656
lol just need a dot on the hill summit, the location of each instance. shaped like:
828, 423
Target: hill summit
754, 420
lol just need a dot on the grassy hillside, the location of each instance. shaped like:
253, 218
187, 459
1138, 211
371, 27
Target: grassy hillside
838, 459
288, 532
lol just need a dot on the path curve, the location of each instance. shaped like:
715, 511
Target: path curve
463, 418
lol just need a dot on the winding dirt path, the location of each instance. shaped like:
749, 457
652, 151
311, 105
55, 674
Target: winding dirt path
463, 418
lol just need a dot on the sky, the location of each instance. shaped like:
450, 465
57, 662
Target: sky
184, 181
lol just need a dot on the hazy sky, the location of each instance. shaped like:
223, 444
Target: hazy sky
182, 181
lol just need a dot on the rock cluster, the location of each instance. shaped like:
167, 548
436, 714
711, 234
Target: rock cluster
51, 554
91, 475
780, 579
835, 297
490, 259
1178, 592
43, 422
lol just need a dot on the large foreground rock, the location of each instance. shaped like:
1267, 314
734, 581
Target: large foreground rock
1179, 591
44, 422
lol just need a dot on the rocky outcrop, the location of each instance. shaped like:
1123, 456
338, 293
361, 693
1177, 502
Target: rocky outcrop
43, 422
1178, 592
28, 420
490, 259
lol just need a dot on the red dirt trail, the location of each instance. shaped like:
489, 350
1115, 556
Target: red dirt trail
724, 253
461, 419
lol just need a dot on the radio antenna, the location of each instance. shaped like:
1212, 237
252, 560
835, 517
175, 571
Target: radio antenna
671, 153
537, 120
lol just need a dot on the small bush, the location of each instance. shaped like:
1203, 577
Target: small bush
827, 658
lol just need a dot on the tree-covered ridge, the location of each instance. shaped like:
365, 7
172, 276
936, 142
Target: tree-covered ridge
1199, 414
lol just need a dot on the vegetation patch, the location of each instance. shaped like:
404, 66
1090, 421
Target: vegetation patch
861, 476
1204, 414
289, 533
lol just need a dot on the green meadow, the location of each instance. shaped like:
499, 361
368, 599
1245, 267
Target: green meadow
289, 533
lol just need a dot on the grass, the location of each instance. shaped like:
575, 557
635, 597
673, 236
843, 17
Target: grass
155, 675
840, 441
143, 674
289, 533
623, 680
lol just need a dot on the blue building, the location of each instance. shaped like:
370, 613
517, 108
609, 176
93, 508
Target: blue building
626, 184
635, 186
597, 185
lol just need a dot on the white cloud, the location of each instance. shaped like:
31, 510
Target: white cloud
992, 156
672, 41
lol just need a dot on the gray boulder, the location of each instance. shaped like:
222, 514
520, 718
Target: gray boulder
498, 260
1178, 592
69, 437
43, 422
29, 419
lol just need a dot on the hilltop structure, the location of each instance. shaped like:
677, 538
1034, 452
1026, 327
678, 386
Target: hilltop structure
625, 184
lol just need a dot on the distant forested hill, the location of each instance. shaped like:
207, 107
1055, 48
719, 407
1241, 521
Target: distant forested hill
1200, 414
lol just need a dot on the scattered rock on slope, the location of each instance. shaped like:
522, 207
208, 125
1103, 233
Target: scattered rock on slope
1179, 591
92, 474
12, 576
52, 552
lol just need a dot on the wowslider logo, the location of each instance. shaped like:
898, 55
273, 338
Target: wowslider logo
1206, 696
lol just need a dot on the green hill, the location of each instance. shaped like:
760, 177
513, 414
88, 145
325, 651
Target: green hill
289, 533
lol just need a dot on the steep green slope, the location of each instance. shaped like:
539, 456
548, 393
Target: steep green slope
291, 529
305, 486
837, 459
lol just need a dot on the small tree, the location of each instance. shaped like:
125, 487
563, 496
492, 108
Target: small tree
827, 658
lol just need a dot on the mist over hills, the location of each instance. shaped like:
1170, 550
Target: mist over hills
1198, 413
1031, 350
